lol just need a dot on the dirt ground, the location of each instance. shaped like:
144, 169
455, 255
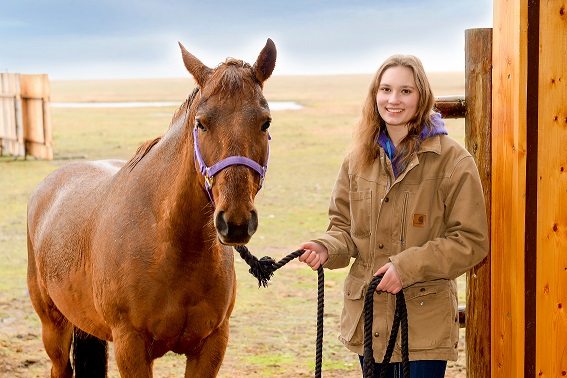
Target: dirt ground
22, 354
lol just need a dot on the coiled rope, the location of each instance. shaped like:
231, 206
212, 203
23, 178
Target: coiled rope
263, 269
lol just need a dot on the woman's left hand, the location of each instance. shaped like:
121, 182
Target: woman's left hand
391, 282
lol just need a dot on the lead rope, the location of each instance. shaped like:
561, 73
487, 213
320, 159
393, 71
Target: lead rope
263, 269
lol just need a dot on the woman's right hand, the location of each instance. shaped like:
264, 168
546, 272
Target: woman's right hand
315, 254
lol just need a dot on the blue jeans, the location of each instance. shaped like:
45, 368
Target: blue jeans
418, 369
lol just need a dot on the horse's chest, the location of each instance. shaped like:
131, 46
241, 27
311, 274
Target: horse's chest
184, 323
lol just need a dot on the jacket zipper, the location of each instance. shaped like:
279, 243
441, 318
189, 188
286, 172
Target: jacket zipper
404, 217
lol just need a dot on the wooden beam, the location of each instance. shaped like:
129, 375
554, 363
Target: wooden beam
450, 106
551, 181
509, 84
478, 131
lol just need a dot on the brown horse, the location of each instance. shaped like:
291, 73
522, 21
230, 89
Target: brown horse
138, 253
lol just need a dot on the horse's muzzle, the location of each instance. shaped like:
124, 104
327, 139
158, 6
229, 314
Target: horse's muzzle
232, 233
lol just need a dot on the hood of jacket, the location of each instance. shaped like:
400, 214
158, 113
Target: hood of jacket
435, 127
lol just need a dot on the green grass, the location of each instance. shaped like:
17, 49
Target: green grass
272, 329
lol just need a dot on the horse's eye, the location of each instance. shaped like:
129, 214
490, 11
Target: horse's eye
199, 125
266, 125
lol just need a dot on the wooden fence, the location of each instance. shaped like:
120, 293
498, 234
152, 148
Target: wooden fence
25, 120
476, 108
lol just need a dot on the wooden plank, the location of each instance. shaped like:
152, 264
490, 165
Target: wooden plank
551, 281
33, 120
37, 131
5, 105
11, 131
478, 131
508, 187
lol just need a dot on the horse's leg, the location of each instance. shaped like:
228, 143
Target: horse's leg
131, 353
207, 361
57, 335
56, 331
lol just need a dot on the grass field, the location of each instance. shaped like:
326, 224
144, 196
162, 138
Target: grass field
273, 329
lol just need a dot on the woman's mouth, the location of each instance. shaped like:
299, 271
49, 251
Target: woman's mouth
392, 110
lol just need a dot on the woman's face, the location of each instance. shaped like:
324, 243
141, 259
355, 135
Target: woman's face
397, 96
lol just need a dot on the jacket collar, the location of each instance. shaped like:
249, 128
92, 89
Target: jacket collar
431, 144
430, 140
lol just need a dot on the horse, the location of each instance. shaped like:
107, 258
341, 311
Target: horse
139, 253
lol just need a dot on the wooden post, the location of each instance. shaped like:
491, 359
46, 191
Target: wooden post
478, 131
550, 181
529, 238
509, 83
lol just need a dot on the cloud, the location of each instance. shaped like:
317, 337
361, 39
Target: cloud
108, 38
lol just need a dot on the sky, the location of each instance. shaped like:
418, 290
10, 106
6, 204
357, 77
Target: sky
109, 39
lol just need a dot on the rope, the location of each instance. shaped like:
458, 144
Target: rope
400, 318
264, 268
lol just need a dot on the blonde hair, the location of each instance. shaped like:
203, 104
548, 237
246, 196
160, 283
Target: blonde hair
365, 148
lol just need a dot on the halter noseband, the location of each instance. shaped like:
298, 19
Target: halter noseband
210, 172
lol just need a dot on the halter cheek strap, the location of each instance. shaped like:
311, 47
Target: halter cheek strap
210, 172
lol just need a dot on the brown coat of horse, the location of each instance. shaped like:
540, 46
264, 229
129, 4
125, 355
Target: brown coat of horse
136, 253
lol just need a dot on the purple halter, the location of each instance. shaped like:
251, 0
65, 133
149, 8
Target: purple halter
210, 172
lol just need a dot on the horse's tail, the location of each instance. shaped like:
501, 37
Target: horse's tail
90, 355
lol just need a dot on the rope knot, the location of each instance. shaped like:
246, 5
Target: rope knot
263, 269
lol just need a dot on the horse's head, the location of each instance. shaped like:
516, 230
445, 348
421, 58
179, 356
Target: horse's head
230, 119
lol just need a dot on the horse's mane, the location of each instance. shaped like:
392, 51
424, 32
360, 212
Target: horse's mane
147, 145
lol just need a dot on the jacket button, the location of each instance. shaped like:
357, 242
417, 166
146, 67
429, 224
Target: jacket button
348, 293
376, 334
422, 289
386, 199
380, 245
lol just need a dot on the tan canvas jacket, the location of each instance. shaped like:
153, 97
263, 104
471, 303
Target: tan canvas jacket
430, 223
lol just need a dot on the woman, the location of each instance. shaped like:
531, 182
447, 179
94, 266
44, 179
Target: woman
407, 204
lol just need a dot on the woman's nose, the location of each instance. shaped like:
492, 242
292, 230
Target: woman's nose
394, 98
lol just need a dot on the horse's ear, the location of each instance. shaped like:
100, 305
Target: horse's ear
199, 71
266, 61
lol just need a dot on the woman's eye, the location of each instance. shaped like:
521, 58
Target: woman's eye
199, 125
266, 125
385, 89
406, 91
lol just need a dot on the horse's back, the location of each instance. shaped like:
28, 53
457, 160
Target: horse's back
61, 208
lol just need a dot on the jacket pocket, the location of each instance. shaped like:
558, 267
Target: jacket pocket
352, 310
404, 221
431, 311
360, 213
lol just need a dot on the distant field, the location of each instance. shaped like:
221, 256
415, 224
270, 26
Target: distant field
273, 329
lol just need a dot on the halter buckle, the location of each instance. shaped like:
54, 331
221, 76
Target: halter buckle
209, 181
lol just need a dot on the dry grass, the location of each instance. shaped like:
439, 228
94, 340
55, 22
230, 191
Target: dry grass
273, 330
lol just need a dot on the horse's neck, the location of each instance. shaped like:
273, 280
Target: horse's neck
184, 207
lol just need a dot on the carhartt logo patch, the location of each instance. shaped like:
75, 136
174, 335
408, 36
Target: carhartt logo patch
419, 220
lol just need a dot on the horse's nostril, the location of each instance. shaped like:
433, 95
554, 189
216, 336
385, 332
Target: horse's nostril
253, 223
220, 224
